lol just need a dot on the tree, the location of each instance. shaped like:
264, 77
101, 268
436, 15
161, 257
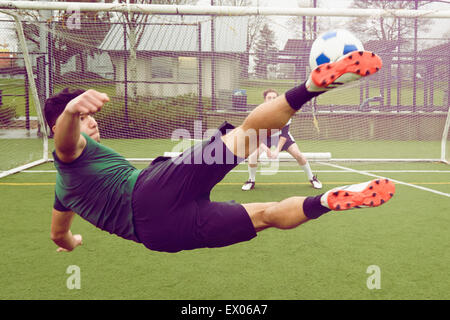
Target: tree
68, 40
30, 29
383, 28
304, 26
255, 24
135, 30
78, 34
266, 51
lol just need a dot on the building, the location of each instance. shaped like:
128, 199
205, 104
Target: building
178, 58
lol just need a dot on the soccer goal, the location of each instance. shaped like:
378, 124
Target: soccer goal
175, 72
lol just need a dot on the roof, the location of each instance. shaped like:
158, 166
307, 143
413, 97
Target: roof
443, 49
182, 36
381, 46
297, 46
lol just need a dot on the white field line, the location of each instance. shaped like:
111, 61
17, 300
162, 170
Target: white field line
396, 181
292, 171
341, 170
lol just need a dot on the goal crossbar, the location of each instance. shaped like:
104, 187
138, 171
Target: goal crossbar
222, 10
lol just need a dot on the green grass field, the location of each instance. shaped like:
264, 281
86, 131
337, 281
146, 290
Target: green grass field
326, 258
27, 150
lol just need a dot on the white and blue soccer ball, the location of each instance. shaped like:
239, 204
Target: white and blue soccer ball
331, 45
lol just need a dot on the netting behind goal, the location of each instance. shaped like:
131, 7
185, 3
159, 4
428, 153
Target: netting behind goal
170, 78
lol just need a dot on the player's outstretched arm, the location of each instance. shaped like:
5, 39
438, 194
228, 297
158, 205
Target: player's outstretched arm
60, 231
69, 143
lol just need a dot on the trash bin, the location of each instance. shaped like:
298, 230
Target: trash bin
239, 100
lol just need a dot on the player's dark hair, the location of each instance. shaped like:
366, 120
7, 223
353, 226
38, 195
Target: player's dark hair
56, 104
266, 92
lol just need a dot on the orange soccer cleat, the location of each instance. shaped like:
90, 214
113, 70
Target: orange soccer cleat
350, 67
368, 194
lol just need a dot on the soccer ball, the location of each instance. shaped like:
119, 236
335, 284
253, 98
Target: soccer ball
332, 45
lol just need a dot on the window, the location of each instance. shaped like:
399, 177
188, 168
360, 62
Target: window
182, 69
162, 67
187, 69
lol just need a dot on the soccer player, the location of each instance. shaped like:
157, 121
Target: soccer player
167, 205
284, 141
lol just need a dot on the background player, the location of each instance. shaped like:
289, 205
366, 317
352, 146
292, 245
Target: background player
284, 141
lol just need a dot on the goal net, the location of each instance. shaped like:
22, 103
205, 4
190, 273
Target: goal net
173, 73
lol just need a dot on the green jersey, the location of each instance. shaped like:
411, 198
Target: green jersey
98, 186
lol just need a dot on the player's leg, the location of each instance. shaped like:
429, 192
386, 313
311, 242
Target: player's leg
294, 151
276, 113
294, 211
304, 164
286, 214
201, 223
252, 168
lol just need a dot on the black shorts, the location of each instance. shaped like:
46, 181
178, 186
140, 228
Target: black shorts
273, 141
172, 210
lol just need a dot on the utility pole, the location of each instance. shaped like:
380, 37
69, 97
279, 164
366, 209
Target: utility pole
416, 6
44, 75
213, 62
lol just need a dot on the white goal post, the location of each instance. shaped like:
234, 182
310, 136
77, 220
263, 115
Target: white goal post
29, 71
156, 77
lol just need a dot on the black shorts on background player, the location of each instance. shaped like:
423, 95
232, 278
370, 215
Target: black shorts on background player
274, 139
